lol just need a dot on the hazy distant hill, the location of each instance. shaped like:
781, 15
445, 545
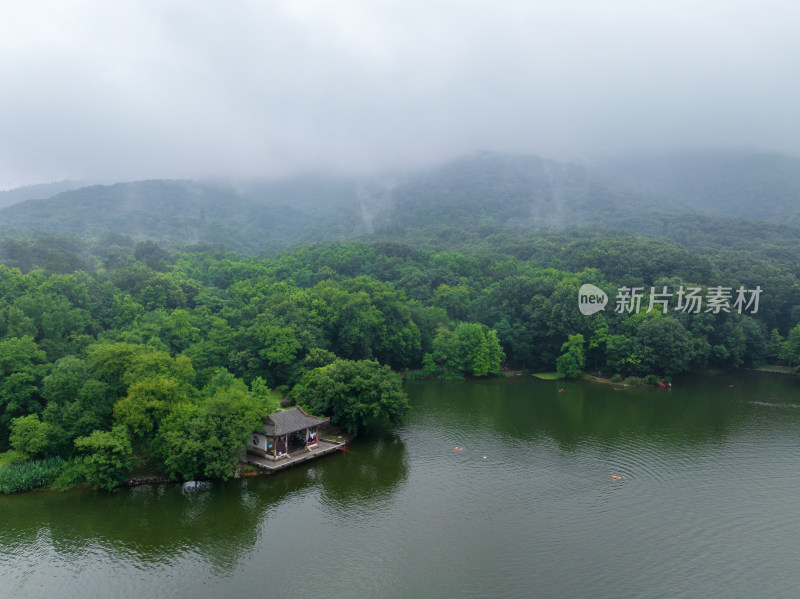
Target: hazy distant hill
37, 192
488, 190
179, 212
483, 189
517, 190
721, 200
749, 185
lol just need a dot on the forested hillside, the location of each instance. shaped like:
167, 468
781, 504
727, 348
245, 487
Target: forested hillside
749, 185
37, 192
118, 351
709, 201
178, 213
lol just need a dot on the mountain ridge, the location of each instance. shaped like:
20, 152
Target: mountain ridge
485, 189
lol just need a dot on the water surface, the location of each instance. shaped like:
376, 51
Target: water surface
705, 503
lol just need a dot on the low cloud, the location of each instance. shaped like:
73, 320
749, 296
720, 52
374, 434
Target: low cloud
101, 91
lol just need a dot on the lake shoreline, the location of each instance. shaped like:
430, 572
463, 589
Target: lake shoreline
785, 370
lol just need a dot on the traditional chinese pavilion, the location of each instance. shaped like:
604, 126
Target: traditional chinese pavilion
284, 433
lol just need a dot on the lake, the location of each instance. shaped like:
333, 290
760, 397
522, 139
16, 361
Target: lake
593, 491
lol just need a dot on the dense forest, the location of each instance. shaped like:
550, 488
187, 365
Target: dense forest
119, 352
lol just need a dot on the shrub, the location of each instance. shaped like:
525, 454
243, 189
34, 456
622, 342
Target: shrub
453, 376
32, 474
634, 380
73, 472
617, 378
651, 379
12, 456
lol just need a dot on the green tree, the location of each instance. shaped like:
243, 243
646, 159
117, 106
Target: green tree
792, 346
351, 322
455, 300
30, 436
598, 344
279, 345
663, 342
755, 342
206, 440
22, 367
429, 367
774, 346
447, 350
570, 364
77, 403
623, 354
213, 351
224, 381
355, 394
65, 380
178, 331
657, 344
469, 348
365, 319
152, 254
488, 356
318, 357
260, 392
148, 401
16, 324
108, 456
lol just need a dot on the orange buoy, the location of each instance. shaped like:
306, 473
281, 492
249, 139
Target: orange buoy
613, 476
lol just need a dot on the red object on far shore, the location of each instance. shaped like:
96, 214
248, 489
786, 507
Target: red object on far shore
661, 384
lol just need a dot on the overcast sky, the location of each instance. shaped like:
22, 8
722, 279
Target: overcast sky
126, 90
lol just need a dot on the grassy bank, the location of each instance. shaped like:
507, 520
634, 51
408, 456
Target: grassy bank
547, 376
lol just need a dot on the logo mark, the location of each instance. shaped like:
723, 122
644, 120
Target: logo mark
591, 299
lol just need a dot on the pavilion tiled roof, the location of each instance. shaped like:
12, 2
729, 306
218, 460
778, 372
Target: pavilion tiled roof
290, 421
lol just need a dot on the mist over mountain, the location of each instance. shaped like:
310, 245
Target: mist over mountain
181, 213
36, 192
750, 185
511, 190
695, 199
